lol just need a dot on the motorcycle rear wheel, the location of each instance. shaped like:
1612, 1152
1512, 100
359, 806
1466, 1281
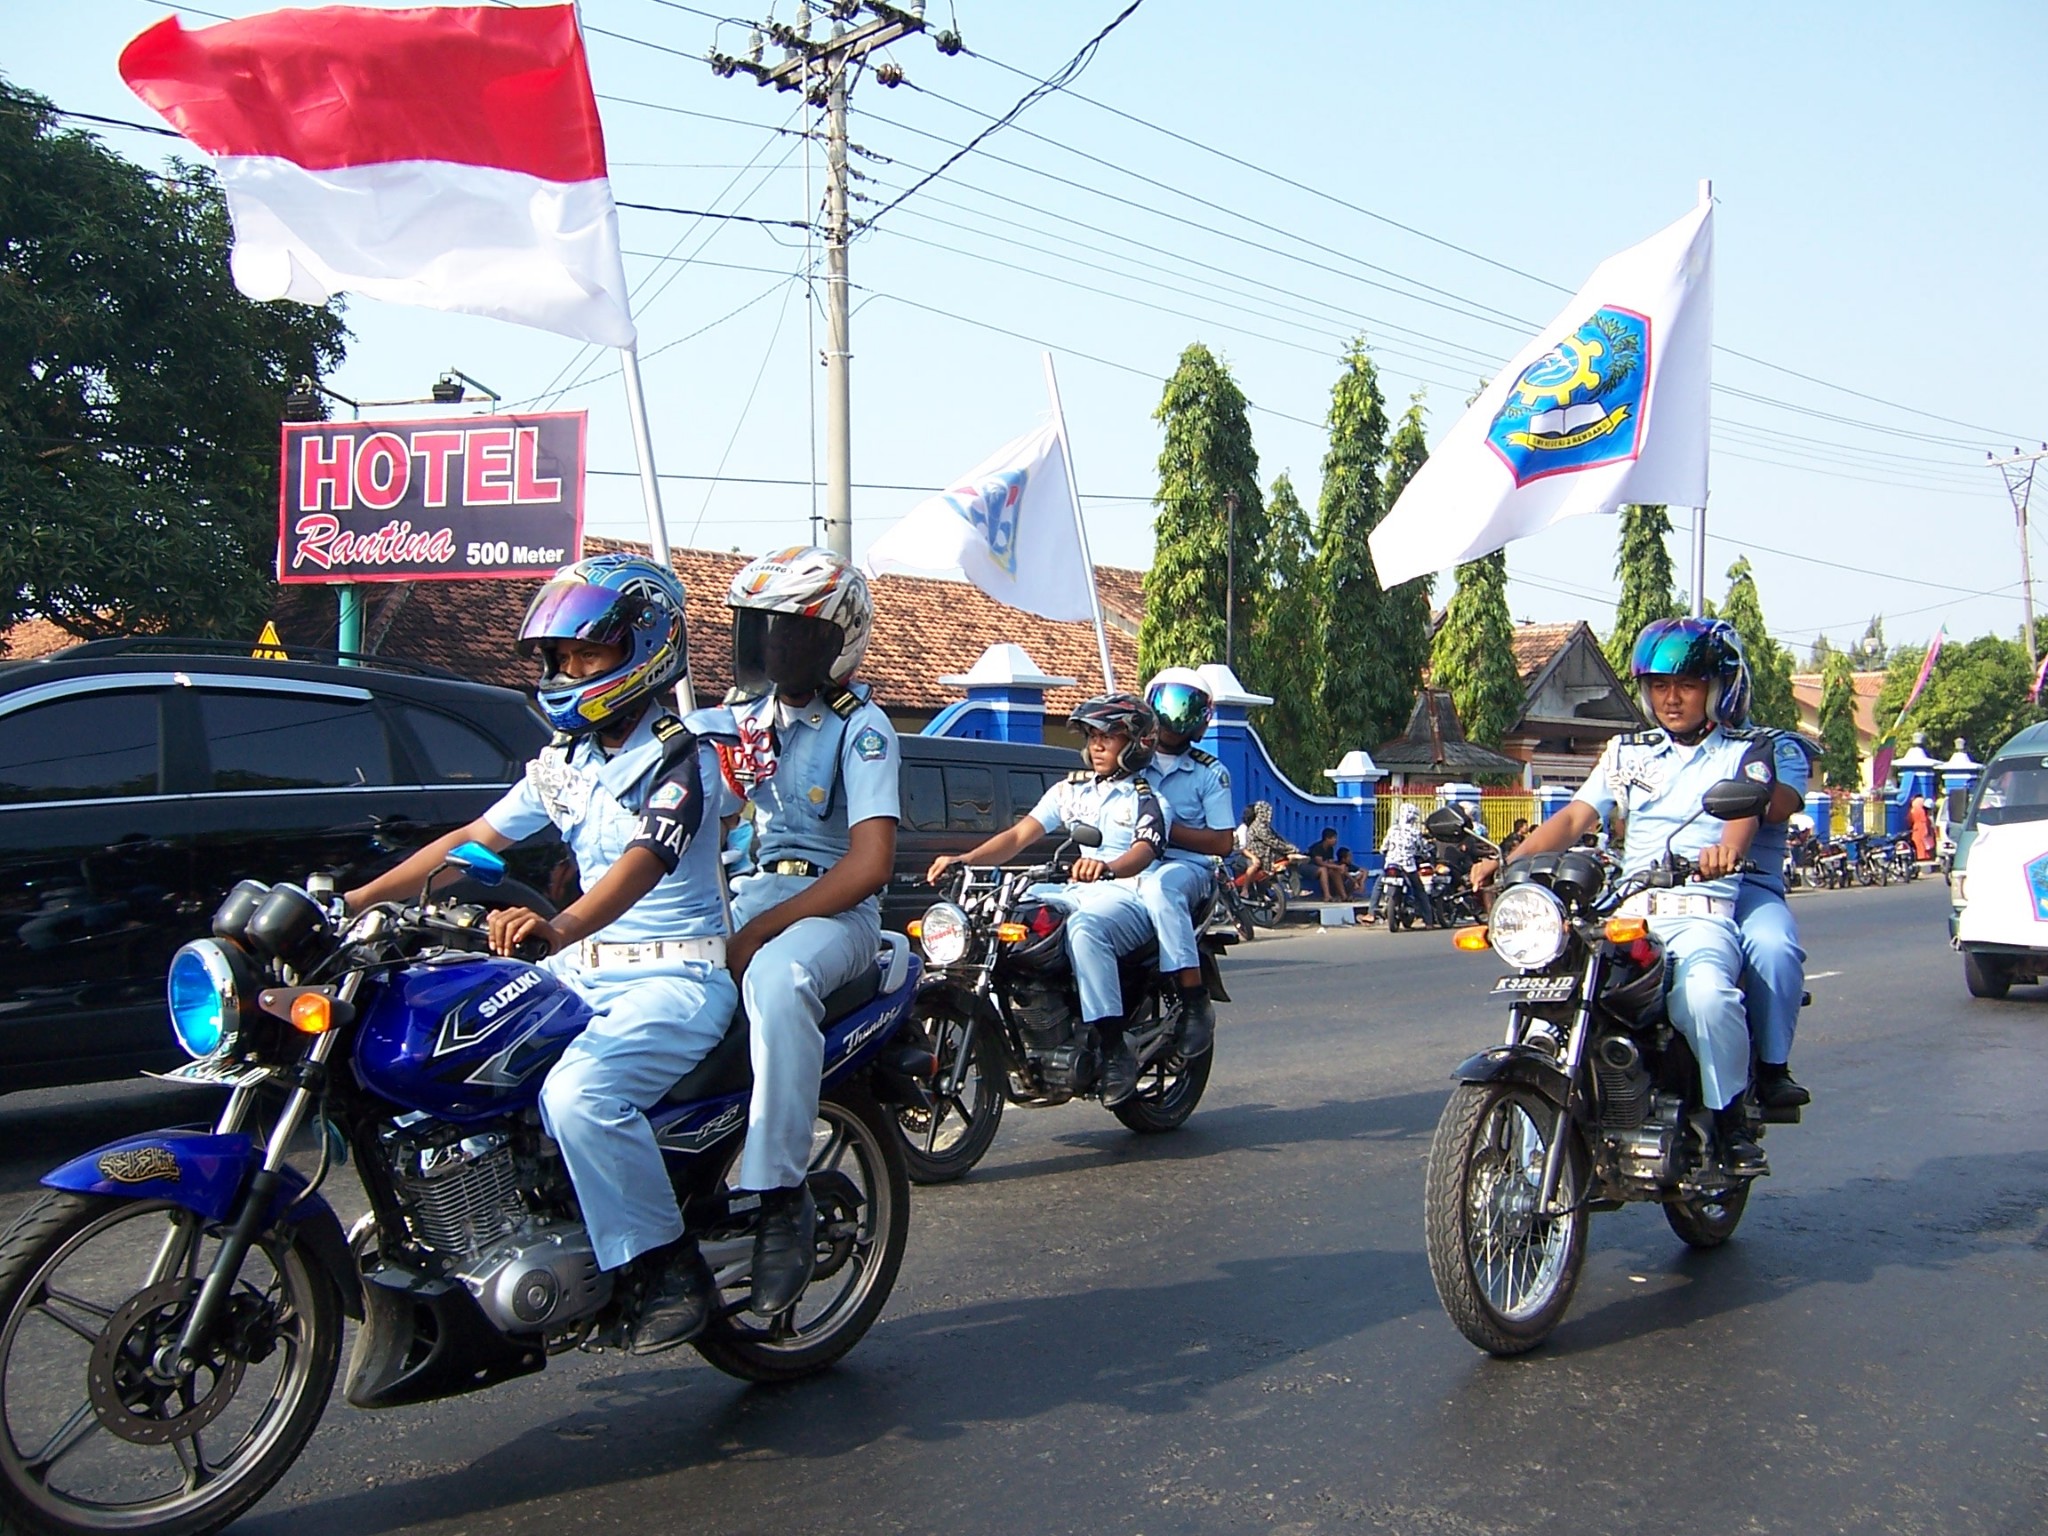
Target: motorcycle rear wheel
813, 1334
1505, 1276
943, 1142
1168, 1092
148, 1446
1704, 1223
1267, 903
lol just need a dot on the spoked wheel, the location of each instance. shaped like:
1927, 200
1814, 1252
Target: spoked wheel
1267, 903
101, 1429
1708, 1222
1168, 1091
944, 1141
1504, 1273
862, 1190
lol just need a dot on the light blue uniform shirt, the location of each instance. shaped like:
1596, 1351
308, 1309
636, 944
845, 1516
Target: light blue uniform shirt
1195, 790
1656, 783
1124, 809
596, 799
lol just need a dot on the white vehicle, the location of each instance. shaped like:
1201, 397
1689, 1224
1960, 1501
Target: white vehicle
1999, 889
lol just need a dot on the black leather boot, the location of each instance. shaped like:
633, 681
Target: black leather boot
1119, 1070
785, 1249
1776, 1089
684, 1295
1197, 1022
1740, 1152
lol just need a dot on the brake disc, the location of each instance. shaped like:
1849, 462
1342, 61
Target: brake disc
136, 1400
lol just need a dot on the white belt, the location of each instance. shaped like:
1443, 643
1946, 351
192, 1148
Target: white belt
651, 952
1677, 904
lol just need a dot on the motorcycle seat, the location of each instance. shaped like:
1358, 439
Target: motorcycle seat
729, 1068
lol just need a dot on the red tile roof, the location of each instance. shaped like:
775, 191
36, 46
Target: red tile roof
1536, 644
32, 638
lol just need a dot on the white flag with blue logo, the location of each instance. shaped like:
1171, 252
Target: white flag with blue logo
1009, 525
1608, 405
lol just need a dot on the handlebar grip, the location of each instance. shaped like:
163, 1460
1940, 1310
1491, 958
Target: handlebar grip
532, 951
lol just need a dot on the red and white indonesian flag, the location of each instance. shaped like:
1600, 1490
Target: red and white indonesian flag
448, 156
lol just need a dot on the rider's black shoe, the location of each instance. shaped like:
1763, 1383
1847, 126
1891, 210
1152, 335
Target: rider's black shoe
1776, 1089
1119, 1072
684, 1296
785, 1249
1197, 1023
1740, 1152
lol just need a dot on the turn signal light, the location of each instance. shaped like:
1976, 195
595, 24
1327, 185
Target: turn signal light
1473, 938
1012, 933
1625, 930
312, 1013
915, 928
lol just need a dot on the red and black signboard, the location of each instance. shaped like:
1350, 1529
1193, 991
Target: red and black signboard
431, 500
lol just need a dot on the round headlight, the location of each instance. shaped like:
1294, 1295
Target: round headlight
944, 933
1527, 928
207, 992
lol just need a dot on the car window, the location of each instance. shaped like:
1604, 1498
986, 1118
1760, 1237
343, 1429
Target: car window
1027, 788
970, 798
292, 741
455, 753
924, 797
92, 747
2014, 790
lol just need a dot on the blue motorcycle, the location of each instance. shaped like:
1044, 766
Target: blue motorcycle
171, 1313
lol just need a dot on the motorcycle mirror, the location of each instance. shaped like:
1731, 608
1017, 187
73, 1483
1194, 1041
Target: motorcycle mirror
1087, 836
477, 862
1736, 799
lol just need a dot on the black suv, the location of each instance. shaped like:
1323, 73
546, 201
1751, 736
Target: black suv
141, 778
955, 794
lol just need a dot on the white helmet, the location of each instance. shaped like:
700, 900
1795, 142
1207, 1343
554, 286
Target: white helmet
801, 619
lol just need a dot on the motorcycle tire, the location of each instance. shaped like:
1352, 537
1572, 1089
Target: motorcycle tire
1165, 1096
1267, 904
801, 1344
1488, 1149
1705, 1223
115, 1397
1985, 977
978, 1112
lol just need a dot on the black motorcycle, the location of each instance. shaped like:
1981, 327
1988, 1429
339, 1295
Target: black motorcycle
1592, 1103
1448, 876
998, 1010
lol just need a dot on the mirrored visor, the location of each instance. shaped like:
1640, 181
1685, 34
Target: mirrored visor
1180, 706
576, 610
1673, 649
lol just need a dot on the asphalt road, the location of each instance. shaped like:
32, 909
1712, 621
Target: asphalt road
1233, 1328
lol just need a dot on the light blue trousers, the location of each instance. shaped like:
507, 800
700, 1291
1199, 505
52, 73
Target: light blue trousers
1774, 970
1106, 918
649, 1027
1705, 1000
1170, 888
785, 989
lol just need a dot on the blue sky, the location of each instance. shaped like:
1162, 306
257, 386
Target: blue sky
1878, 229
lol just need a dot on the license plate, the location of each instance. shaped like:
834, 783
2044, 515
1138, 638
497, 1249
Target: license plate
1537, 989
214, 1074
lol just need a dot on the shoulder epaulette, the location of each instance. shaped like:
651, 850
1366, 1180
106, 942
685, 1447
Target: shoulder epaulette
677, 740
1747, 732
844, 700
1206, 759
1081, 776
1642, 739
739, 695
562, 739
1143, 786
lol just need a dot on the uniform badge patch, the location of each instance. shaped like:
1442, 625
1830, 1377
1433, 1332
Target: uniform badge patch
869, 746
1758, 772
666, 797
1579, 405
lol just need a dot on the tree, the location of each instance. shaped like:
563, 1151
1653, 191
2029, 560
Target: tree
1474, 654
140, 393
1868, 654
1840, 762
1978, 691
1207, 458
1817, 656
1642, 564
1405, 633
1770, 664
1289, 644
1373, 641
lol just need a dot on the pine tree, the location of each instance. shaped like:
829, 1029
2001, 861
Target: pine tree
1357, 693
1817, 656
1289, 645
1404, 634
1869, 653
1840, 764
1206, 458
1770, 664
1643, 566
1474, 654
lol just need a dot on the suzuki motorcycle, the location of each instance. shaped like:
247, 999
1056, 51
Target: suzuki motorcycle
1000, 1016
171, 1313
1593, 1101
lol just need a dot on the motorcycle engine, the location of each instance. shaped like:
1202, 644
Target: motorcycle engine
1045, 1020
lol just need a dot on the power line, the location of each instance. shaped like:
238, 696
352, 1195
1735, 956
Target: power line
730, 218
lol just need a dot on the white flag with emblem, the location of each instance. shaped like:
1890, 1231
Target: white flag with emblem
1009, 525
1608, 405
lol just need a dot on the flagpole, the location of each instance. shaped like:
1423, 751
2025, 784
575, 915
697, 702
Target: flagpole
650, 490
1052, 388
1699, 513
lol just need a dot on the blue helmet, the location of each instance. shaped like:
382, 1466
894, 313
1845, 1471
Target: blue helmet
622, 600
1709, 649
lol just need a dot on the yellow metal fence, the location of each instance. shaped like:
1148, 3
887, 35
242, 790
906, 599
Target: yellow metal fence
1499, 811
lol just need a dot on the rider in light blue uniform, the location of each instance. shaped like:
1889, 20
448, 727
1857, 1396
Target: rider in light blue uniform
637, 799
1195, 790
1689, 671
1107, 914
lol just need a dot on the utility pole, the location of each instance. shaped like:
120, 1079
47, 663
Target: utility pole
2018, 469
820, 69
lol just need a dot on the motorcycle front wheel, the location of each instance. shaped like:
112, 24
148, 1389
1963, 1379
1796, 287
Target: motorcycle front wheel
943, 1142
100, 1431
1504, 1273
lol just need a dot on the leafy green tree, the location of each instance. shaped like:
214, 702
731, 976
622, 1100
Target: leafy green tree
1206, 459
1770, 664
1642, 564
1289, 645
1978, 691
1869, 655
1365, 696
1474, 653
1817, 657
1404, 632
140, 393
1840, 762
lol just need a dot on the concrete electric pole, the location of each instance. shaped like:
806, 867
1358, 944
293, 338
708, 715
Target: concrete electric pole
820, 69
2018, 469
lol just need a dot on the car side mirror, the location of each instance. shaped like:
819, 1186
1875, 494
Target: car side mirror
477, 862
1082, 833
1736, 799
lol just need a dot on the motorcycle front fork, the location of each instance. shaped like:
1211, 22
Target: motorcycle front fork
1574, 1055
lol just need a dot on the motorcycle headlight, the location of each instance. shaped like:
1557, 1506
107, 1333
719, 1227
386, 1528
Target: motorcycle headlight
209, 988
1528, 927
943, 933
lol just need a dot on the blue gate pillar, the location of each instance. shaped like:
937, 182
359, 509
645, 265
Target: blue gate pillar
1550, 799
1298, 815
1820, 805
1960, 772
1357, 779
1915, 771
1005, 699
